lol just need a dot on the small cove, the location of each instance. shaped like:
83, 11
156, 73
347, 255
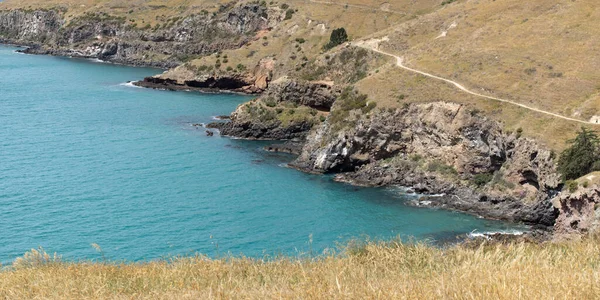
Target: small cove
85, 158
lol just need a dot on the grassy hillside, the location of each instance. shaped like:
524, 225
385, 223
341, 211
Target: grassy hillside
539, 53
382, 271
136, 11
300, 38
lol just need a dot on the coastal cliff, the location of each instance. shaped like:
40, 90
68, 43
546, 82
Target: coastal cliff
115, 39
579, 213
441, 149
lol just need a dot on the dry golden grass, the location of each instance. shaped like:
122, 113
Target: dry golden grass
313, 23
375, 271
540, 53
589, 179
142, 11
393, 87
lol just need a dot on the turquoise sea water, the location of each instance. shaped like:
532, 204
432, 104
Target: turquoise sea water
86, 159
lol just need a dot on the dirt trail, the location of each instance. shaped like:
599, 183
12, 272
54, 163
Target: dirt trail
373, 45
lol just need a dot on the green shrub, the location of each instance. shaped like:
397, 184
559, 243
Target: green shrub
416, 157
440, 167
572, 186
338, 37
482, 179
289, 14
347, 101
270, 102
240, 67
581, 157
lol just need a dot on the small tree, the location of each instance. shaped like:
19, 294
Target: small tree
338, 37
580, 158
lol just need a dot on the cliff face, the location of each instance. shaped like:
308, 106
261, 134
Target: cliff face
440, 148
113, 39
35, 26
579, 213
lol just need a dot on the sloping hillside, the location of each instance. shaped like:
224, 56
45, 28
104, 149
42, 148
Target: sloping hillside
543, 54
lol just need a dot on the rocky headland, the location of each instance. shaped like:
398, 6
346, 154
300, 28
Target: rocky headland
114, 39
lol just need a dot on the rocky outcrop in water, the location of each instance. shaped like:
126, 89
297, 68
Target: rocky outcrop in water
110, 38
255, 121
579, 213
254, 81
440, 148
287, 110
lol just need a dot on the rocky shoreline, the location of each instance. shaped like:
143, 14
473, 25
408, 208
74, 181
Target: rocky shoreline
459, 159
114, 39
438, 192
210, 85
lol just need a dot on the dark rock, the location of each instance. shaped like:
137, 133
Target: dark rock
318, 95
216, 125
291, 147
437, 149
256, 130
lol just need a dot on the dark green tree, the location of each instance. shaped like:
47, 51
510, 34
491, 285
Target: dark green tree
338, 37
581, 157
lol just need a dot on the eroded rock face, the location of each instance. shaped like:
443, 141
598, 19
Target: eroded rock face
579, 213
30, 26
319, 95
113, 39
443, 131
254, 81
440, 148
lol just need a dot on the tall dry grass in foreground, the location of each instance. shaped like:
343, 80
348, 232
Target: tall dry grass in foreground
377, 270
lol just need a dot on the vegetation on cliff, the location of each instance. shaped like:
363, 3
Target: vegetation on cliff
581, 157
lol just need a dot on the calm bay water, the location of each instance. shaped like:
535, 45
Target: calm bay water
86, 159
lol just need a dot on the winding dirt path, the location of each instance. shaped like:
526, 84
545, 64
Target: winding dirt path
373, 45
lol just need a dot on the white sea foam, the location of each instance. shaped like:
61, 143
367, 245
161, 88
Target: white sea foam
488, 234
130, 84
96, 60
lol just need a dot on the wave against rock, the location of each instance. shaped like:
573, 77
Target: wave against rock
440, 148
